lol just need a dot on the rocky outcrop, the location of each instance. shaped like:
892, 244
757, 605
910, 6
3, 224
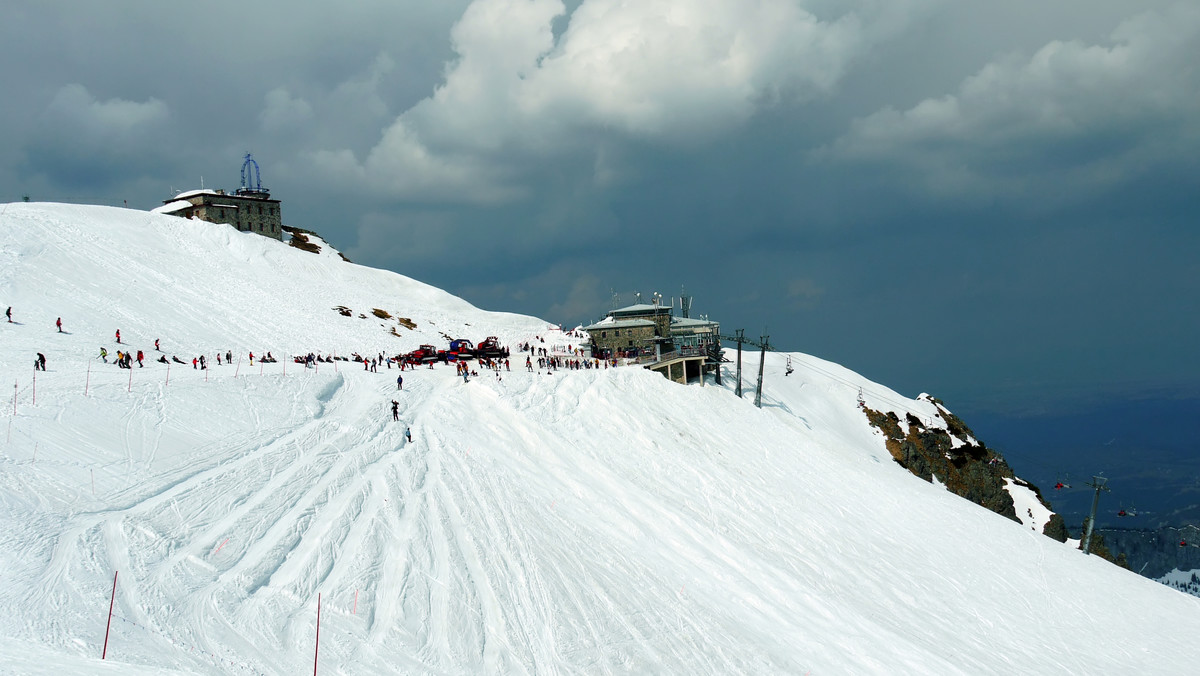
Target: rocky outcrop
945, 450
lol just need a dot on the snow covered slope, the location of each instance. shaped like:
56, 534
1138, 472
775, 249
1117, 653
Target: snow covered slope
602, 521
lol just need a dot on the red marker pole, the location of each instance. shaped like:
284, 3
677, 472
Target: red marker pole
130, 387
35, 388
168, 374
108, 626
238, 369
355, 611
87, 381
317, 650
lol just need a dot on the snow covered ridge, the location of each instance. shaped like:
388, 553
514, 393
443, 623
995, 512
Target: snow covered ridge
581, 522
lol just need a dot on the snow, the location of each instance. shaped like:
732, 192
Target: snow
601, 521
192, 193
172, 207
1180, 577
1029, 509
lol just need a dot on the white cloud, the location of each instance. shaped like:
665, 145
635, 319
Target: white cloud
1087, 109
112, 120
656, 70
284, 112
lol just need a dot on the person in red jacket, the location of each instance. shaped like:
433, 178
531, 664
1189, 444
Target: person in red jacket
140, 357
118, 335
58, 323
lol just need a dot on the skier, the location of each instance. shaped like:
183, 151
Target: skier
228, 356
395, 410
252, 359
140, 357
58, 323
40, 362
194, 362
156, 345
399, 382
118, 335
104, 354
408, 434
203, 363
8, 314
218, 359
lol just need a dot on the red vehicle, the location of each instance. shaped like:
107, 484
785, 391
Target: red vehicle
424, 355
490, 347
460, 349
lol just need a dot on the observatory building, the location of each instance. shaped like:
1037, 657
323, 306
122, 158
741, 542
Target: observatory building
249, 209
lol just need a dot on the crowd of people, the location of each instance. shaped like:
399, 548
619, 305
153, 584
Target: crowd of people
548, 359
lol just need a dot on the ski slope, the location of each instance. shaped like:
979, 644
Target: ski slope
576, 522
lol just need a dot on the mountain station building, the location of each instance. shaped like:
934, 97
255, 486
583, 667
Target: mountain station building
249, 209
681, 348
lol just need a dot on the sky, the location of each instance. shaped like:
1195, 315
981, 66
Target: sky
991, 202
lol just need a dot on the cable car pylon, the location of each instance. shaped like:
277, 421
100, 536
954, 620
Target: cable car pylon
764, 343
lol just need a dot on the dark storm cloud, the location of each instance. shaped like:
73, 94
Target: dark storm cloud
959, 198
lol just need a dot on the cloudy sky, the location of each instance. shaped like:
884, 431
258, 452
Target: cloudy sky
993, 202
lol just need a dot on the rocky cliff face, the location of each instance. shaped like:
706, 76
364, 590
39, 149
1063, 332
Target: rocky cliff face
949, 453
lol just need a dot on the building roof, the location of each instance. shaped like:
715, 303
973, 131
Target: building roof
172, 207
641, 309
206, 196
611, 323
192, 193
689, 322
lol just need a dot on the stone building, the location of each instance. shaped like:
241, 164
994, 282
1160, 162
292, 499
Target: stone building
249, 209
681, 348
631, 331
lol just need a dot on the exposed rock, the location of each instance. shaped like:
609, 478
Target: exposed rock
950, 454
1056, 528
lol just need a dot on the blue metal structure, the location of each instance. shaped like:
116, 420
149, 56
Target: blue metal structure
255, 190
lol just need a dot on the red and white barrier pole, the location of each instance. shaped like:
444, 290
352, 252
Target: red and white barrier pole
168, 374
88, 380
317, 649
238, 369
108, 626
35, 388
130, 387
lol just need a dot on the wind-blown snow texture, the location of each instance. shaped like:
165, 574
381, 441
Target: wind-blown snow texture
582, 522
